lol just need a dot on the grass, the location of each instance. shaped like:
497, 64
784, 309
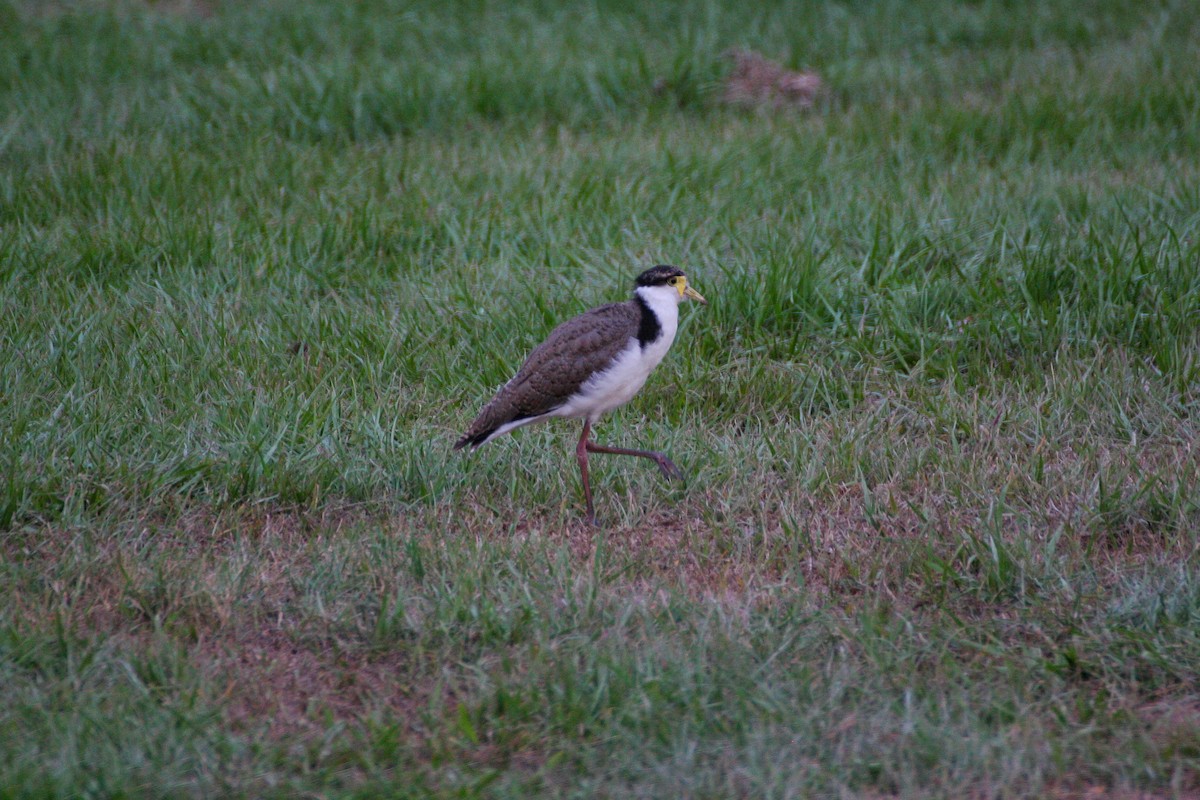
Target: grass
260, 264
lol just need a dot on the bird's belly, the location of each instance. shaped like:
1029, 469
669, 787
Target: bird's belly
618, 384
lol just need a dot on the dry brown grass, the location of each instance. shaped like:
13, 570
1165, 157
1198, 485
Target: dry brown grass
286, 687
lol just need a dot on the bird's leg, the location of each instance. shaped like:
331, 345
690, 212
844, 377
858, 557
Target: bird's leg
665, 464
581, 452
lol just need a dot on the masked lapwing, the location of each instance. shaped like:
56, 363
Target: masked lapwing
589, 365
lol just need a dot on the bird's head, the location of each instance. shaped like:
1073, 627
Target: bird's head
671, 279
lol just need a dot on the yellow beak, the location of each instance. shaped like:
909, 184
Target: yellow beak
689, 292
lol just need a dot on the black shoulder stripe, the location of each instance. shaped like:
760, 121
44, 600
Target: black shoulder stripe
649, 328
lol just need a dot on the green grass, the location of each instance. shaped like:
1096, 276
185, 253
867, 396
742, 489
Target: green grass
260, 264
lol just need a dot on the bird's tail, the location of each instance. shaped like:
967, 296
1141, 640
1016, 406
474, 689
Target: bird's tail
474, 439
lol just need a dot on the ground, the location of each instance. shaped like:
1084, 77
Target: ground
261, 263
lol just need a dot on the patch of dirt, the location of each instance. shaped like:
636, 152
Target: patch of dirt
756, 81
1058, 791
1098, 792
1174, 725
203, 529
288, 688
743, 564
889, 540
172, 568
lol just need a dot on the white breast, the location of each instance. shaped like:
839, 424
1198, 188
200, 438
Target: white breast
628, 372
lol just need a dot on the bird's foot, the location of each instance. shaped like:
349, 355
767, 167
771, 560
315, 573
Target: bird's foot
667, 466
590, 517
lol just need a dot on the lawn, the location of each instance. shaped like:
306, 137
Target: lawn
262, 262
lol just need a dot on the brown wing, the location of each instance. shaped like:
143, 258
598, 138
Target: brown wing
558, 367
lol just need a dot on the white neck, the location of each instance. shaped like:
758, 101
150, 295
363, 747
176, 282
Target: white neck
664, 302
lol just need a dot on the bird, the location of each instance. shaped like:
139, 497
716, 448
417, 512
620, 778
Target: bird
590, 365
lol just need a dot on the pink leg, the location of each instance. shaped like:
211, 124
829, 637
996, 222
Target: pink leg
665, 464
581, 451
